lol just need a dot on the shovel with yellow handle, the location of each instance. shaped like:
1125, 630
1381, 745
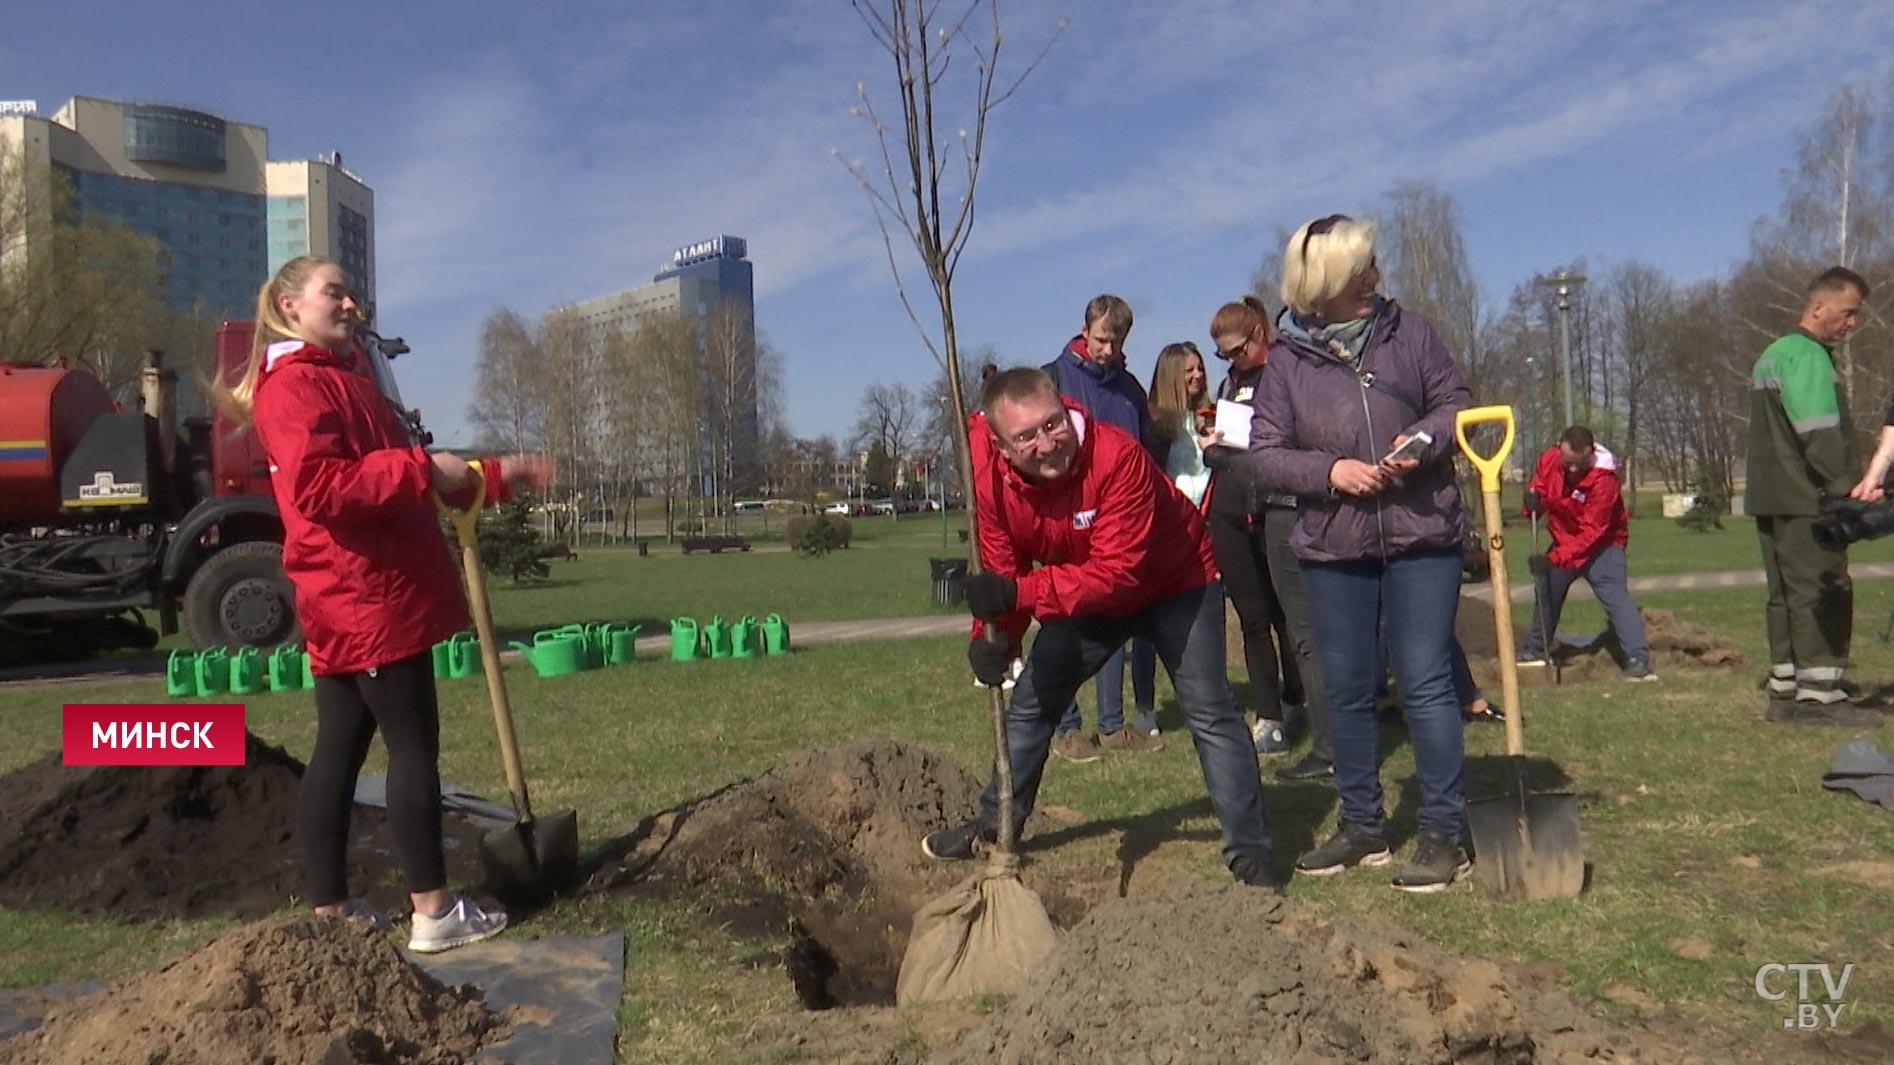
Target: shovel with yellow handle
1527, 845
532, 859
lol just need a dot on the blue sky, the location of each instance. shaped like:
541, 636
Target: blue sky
535, 154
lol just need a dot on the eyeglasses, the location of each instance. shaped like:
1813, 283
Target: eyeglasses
1319, 227
1052, 428
1235, 353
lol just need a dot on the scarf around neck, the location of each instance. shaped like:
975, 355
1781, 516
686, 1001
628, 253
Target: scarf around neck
1341, 341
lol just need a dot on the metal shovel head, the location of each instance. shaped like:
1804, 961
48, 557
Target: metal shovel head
1527, 845
529, 861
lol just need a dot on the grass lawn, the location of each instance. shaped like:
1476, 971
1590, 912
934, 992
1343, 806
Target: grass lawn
1715, 849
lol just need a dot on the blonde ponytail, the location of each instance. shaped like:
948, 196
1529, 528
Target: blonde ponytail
235, 398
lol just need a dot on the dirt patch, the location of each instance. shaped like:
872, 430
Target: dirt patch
156, 843
1227, 974
1676, 643
820, 855
288, 989
1878, 876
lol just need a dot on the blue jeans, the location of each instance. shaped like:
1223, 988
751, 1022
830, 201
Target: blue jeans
1143, 675
1187, 631
1416, 596
1110, 683
1609, 578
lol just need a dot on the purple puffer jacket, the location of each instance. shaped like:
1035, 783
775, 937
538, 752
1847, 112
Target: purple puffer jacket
1313, 409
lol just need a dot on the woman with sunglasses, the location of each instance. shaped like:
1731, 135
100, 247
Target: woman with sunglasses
1353, 377
1249, 530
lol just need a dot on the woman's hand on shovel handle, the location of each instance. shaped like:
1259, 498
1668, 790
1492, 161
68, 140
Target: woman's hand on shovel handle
526, 471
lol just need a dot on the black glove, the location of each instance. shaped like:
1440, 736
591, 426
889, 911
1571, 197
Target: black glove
1534, 505
1539, 565
990, 661
990, 596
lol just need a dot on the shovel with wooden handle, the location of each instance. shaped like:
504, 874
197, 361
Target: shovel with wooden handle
1527, 845
532, 859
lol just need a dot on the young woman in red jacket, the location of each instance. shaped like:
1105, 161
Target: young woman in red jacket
376, 587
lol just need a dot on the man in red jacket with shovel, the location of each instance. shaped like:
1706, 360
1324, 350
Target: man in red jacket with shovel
1119, 553
1576, 488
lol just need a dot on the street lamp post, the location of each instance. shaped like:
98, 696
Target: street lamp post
1563, 285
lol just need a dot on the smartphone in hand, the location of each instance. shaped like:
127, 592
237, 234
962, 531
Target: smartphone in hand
1411, 448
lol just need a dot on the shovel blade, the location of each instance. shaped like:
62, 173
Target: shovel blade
529, 861
1528, 846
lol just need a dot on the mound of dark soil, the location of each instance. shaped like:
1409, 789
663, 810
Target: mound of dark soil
823, 850
1230, 974
181, 841
299, 989
1675, 643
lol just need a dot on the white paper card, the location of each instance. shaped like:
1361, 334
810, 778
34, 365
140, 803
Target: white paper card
1233, 421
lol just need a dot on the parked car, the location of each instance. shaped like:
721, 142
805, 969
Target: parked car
843, 508
881, 506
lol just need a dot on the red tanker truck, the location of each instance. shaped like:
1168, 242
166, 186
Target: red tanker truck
112, 512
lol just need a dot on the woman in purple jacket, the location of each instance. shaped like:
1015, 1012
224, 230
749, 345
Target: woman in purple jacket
1353, 377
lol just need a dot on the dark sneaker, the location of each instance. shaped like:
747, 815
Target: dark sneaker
1638, 671
958, 843
1436, 864
1271, 736
1349, 846
1257, 874
1146, 722
1310, 767
1129, 739
1075, 746
1844, 714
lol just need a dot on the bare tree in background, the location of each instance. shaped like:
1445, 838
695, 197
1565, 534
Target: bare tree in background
730, 407
888, 417
1424, 265
509, 398
665, 352
1639, 299
929, 193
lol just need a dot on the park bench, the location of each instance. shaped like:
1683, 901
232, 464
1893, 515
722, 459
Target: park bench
716, 545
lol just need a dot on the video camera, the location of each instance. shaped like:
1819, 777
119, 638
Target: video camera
1845, 521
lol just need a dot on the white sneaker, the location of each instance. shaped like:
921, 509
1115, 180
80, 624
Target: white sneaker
465, 922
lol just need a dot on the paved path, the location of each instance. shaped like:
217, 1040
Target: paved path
819, 632
1681, 582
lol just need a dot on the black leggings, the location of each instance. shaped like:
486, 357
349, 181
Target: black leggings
1242, 555
399, 699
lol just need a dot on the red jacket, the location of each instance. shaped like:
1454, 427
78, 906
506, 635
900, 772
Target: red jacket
1111, 537
362, 544
1584, 513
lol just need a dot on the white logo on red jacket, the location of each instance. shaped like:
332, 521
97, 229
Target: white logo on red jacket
1083, 519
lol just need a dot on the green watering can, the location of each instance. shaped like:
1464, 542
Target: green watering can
309, 673
717, 636
463, 655
622, 644
554, 653
180, 674
597, 644
684, 638
213, 671
246, 671
443, 658
286, 668
745, 637
775, 635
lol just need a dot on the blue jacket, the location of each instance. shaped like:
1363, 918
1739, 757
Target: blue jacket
1313, 409
1109, 394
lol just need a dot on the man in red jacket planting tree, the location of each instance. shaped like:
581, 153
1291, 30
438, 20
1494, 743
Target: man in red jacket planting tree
1576, 488
1119, 553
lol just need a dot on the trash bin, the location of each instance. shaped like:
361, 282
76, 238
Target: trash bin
950, 580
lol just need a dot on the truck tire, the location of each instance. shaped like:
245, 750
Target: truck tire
239, 597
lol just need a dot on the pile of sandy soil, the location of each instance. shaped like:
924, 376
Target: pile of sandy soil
1231, 974
182, 841
301, 989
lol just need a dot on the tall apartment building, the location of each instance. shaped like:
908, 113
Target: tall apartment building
202, 186
318, 207
701, 277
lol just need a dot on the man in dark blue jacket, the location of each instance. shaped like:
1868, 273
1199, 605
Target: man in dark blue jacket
1091, 372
